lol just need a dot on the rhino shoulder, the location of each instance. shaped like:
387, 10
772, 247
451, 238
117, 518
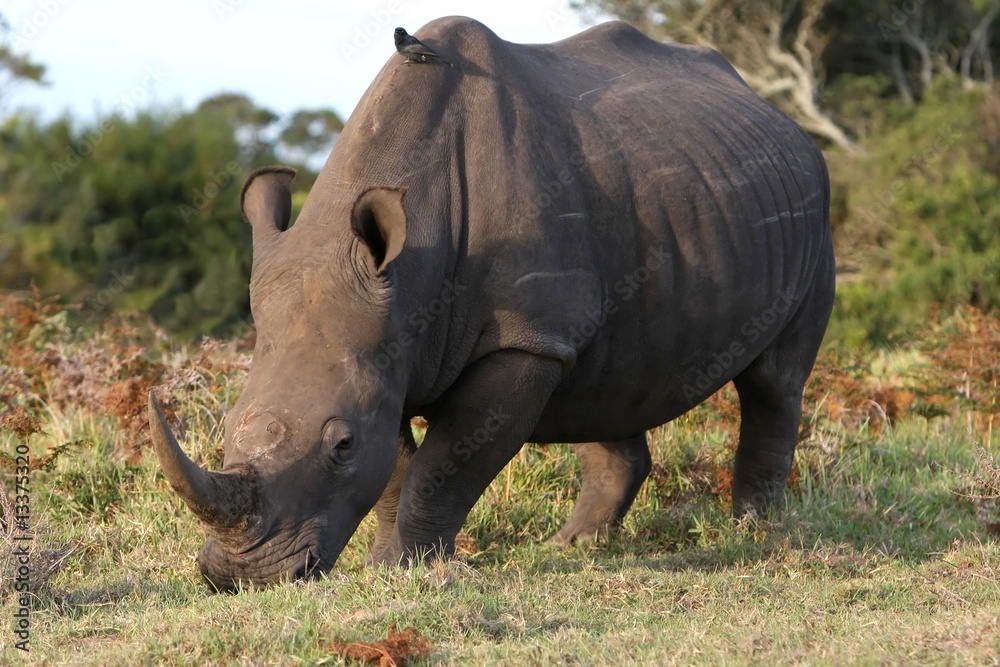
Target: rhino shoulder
549, 313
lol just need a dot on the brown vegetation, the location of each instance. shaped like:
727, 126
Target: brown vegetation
955, 371
397, 649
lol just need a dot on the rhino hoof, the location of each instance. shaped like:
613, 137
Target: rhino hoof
569, 535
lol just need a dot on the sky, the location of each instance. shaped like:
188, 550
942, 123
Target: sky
118, 55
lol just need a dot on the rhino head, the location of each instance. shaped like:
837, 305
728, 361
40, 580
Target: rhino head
312, 441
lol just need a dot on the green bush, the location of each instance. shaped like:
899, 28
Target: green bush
141, 213
922, 219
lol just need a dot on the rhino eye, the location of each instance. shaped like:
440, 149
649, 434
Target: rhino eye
338, 440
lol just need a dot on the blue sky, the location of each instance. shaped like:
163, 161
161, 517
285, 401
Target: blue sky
104, 55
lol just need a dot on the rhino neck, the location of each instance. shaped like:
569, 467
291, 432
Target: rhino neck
439, 133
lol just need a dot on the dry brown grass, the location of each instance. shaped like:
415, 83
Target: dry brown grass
398, 649
884, 556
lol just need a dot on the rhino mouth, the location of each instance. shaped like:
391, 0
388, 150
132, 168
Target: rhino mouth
309, 568
229, 573
298, 553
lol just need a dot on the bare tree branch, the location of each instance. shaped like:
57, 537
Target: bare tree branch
785, 48
898, 74
920, 46
775, 45
976, 41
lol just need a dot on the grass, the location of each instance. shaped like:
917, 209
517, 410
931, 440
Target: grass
887, 553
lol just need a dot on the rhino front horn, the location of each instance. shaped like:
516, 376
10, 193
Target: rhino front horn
224, 501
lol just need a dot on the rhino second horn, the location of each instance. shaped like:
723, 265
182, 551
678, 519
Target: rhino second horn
223, 501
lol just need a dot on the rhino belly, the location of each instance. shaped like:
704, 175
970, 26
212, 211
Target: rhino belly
633, 379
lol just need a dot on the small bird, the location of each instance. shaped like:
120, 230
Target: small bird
414, 50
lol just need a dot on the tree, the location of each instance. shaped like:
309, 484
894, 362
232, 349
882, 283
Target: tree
913, 43
138, 212
310, 133
299, 137
792, 51
144, 212
775, 45
250, 122
15, 68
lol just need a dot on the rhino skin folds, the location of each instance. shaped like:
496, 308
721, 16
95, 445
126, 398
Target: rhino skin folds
570, 242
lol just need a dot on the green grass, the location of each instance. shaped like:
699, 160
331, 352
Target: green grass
879, 558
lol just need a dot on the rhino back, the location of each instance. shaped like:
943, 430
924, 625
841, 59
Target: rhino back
540, 177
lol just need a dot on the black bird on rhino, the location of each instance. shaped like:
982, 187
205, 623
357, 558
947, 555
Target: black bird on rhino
414, 50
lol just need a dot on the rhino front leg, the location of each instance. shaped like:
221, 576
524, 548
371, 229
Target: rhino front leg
388, 504
476, 429
613, 473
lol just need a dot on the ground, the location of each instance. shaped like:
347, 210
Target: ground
887, 551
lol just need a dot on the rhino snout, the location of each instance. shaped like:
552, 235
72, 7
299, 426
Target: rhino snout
226, 571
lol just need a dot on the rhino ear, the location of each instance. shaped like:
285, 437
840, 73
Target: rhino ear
266, 200
379, 220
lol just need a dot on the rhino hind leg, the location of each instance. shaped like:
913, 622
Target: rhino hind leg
613, 473
769, 426
770, 391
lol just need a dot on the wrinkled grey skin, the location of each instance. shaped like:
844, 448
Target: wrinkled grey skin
573, 242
